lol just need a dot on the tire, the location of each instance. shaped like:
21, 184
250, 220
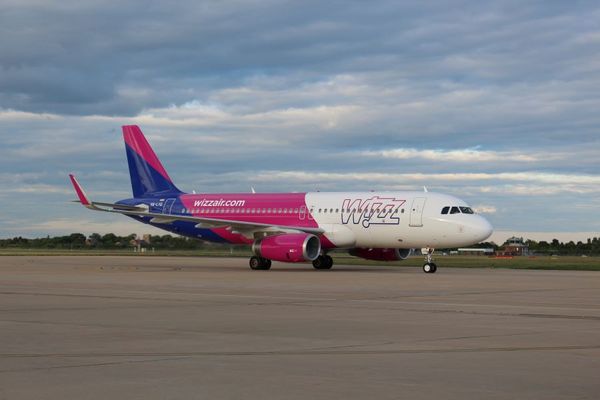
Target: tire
266, 264
427, 268
320, 263
255, 263
323, 262
433, 268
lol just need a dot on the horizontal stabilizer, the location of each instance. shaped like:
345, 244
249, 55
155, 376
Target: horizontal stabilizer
83, 199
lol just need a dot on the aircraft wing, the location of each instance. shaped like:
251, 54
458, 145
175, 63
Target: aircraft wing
242, 227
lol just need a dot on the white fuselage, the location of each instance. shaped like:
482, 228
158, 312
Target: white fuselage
396, 220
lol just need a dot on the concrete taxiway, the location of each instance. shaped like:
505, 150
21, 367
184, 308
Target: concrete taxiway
187, 328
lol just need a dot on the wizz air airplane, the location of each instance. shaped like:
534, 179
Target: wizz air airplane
295, 227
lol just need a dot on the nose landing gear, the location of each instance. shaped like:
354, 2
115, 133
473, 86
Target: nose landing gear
429, 267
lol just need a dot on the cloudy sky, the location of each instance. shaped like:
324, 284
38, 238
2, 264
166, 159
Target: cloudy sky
497, 103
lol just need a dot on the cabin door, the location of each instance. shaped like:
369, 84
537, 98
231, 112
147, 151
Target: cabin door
168, 206
416, 212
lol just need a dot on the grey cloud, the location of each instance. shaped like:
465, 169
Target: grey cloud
83, 56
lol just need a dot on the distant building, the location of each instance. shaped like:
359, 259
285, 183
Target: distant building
514, 246
139, 243
476, 252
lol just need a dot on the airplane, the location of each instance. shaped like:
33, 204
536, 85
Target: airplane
295, 227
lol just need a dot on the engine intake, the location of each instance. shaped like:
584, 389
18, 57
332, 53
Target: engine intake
291, 247
381, 254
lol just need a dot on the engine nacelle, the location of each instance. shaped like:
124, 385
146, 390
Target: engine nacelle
289, 247
381, 254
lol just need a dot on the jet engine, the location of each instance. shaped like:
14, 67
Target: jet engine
289, 247
381, 254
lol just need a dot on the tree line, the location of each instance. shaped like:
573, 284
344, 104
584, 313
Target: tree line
108, 241
591, 247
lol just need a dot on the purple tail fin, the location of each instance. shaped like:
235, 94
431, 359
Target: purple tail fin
148, 176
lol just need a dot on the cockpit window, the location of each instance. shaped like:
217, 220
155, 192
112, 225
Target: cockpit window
445, 210
454, 210
466, 210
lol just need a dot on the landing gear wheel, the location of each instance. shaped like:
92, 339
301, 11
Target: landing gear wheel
259, 263
429, 268
254, 262
323, 262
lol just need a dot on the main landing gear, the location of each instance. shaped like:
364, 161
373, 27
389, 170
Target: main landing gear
259, 263
323, 262
429, 267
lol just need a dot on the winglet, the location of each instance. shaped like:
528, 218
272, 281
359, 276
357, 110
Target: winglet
83, 199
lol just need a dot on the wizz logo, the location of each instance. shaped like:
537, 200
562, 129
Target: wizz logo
374, 211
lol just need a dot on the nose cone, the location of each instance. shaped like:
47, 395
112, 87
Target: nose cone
483, 229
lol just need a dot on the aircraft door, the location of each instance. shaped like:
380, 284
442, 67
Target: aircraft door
302, 212
416, 212
168, 206
309, 213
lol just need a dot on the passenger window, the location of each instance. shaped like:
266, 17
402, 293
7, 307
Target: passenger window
325, 210
466, 210
445, 210
454, 210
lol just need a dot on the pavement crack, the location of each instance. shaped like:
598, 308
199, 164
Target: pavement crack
304, 352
